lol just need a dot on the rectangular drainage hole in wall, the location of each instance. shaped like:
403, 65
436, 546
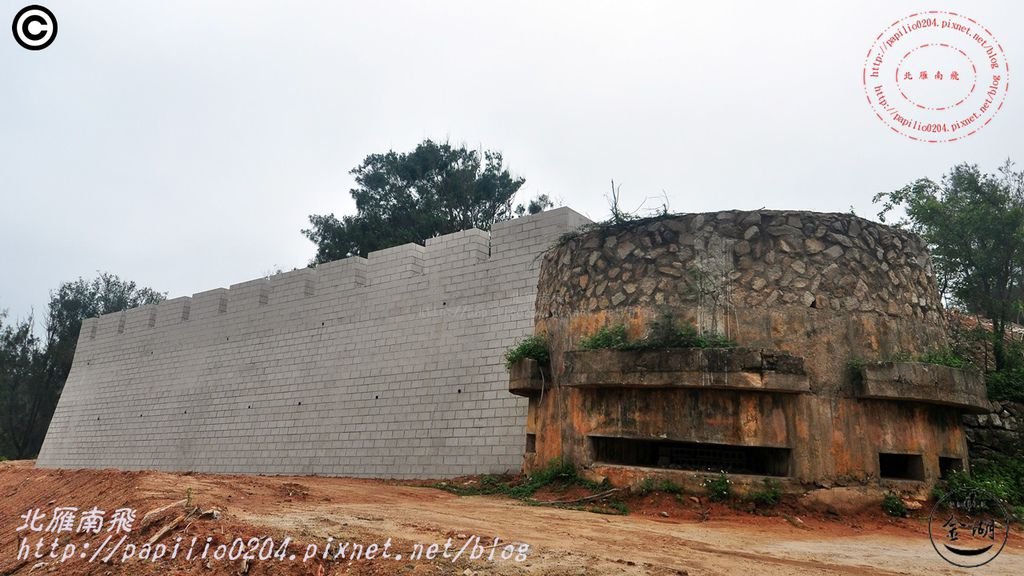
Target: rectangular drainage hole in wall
699, 456
948, 466
531, 443
900, 466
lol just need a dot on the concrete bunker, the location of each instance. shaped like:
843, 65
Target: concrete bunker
817, 305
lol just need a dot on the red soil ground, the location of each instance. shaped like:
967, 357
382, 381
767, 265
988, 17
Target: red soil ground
663, 534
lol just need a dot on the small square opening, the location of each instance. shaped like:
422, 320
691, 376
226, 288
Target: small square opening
949, 465
900, 466
531, 443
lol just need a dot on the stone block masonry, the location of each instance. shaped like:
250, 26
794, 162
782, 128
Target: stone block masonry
997, 435
389, 366
812, 294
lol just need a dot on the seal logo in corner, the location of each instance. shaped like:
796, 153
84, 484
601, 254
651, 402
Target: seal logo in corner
936, 76
969, 527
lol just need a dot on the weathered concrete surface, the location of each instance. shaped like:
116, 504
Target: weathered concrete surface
842, 501
389, 366
927, 383
690, 481
828, 288
721, 368
527, 377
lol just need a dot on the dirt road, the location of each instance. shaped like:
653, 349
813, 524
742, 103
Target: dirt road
661, 536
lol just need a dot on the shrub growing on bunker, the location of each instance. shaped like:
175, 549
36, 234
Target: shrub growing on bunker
534, 347
664, 332
613, 337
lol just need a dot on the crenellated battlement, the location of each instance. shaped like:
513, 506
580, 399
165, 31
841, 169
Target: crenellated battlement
389, 365
441, 254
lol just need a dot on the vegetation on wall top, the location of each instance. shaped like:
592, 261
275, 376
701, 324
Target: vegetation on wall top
409, 197
534, 347
618, 220
939, 356
663, 332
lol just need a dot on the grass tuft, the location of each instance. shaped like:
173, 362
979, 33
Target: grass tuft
535, 347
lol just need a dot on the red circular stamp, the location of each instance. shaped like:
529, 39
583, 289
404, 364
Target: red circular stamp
936, 76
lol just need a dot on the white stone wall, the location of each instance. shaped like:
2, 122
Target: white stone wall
389, 366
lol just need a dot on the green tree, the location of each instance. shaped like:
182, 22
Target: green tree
33, 371
410, 197
25, 394
536, 206
974, 226
77, 300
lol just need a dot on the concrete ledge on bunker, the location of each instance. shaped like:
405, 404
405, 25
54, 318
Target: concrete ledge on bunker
924, 383
528, 377
711, 368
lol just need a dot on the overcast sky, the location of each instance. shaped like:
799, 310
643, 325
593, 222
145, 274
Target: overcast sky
184, 144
